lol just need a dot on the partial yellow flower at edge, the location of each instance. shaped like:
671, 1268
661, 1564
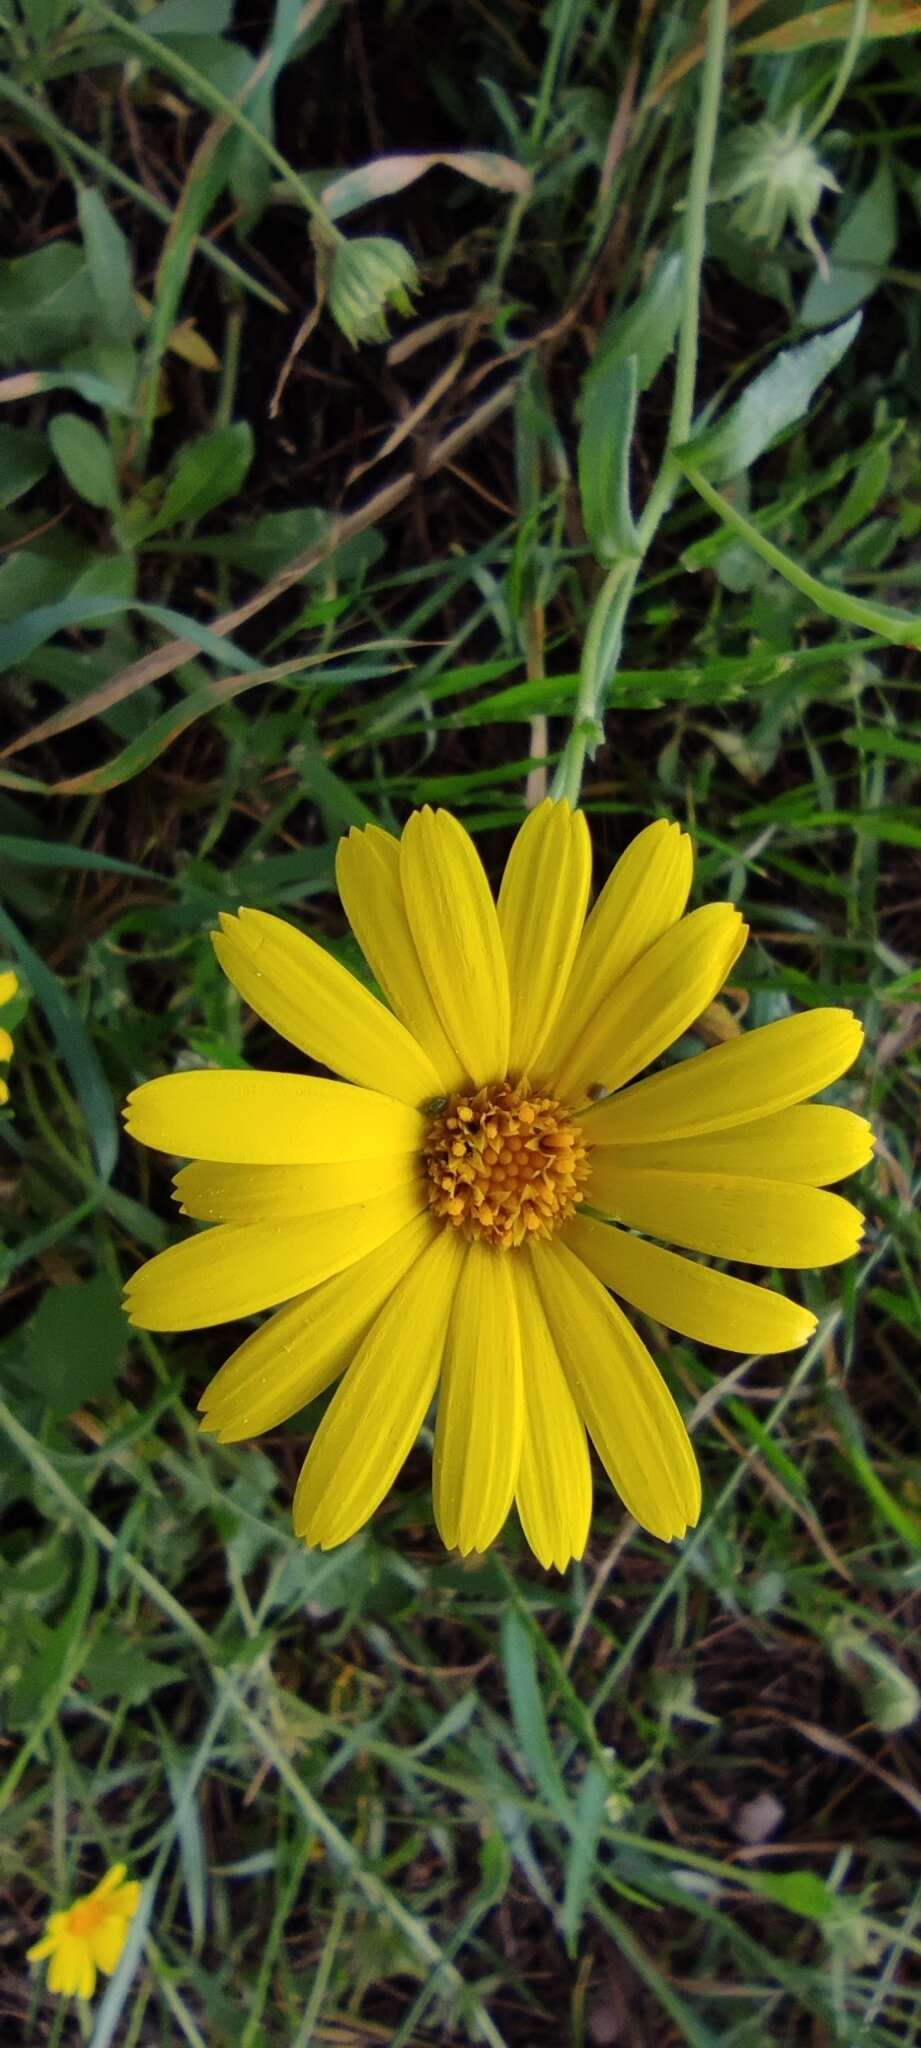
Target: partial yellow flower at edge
88, 1936
450, 1222
9, 987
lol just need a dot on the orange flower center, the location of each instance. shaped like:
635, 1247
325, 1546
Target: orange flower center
86, 1917
505, 1164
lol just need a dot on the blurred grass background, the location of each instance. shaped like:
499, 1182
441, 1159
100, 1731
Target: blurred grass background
257, 585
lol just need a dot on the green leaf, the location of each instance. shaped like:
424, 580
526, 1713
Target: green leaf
208, 471
580, 1857
877, 739
53, 853
118, 1670
218, 60
858, 255
773, 402
97, 390
528, 1714
24, 458
648, 330
44, 1676
189, 17
268, 544
608, 410
47, 303
85, 608
75, 1343
901, 627
86, 459
108, 255
182, 1772
868, 486
800, 1891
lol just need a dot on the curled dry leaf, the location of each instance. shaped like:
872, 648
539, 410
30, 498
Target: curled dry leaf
388, 174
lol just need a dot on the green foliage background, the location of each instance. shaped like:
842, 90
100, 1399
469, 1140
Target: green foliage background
256, 585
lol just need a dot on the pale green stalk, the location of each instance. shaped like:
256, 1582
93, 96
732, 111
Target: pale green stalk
849, 56
901, 628
605, 632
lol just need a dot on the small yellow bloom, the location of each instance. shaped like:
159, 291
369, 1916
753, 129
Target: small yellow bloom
88, 1936
9, 987
448, 1219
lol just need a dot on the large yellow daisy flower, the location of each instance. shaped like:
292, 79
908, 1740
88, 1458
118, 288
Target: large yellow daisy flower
449, 1218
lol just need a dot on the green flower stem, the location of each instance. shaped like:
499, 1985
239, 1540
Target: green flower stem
600, 656
695, 223
901, 628
158, 53
604, 637
849, 56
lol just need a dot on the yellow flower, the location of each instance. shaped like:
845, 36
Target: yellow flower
89, 1935
9, 987
435, 1226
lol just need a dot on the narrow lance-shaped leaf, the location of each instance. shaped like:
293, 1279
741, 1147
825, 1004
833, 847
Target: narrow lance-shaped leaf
648, 329
771, 403
608, 412
108, 255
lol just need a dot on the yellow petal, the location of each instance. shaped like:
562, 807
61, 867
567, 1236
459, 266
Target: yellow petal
368, 879
259, 1194
110, 1883
555, 1480
65, 1967
453, 921
623, 1400
6, 1044
9, 986
317, 1005
480, 1405
298, 1353
761, 1222
269, 1119
693, 1299
811, 1144
657, 1000
108, 1941
72, 1969
41, 1949
750, 1077
4, 1093
644, 895
126, 1900
374, 1418
542, 905
235, 1269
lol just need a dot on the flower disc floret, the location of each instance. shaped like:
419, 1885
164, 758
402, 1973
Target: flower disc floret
505, 1165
